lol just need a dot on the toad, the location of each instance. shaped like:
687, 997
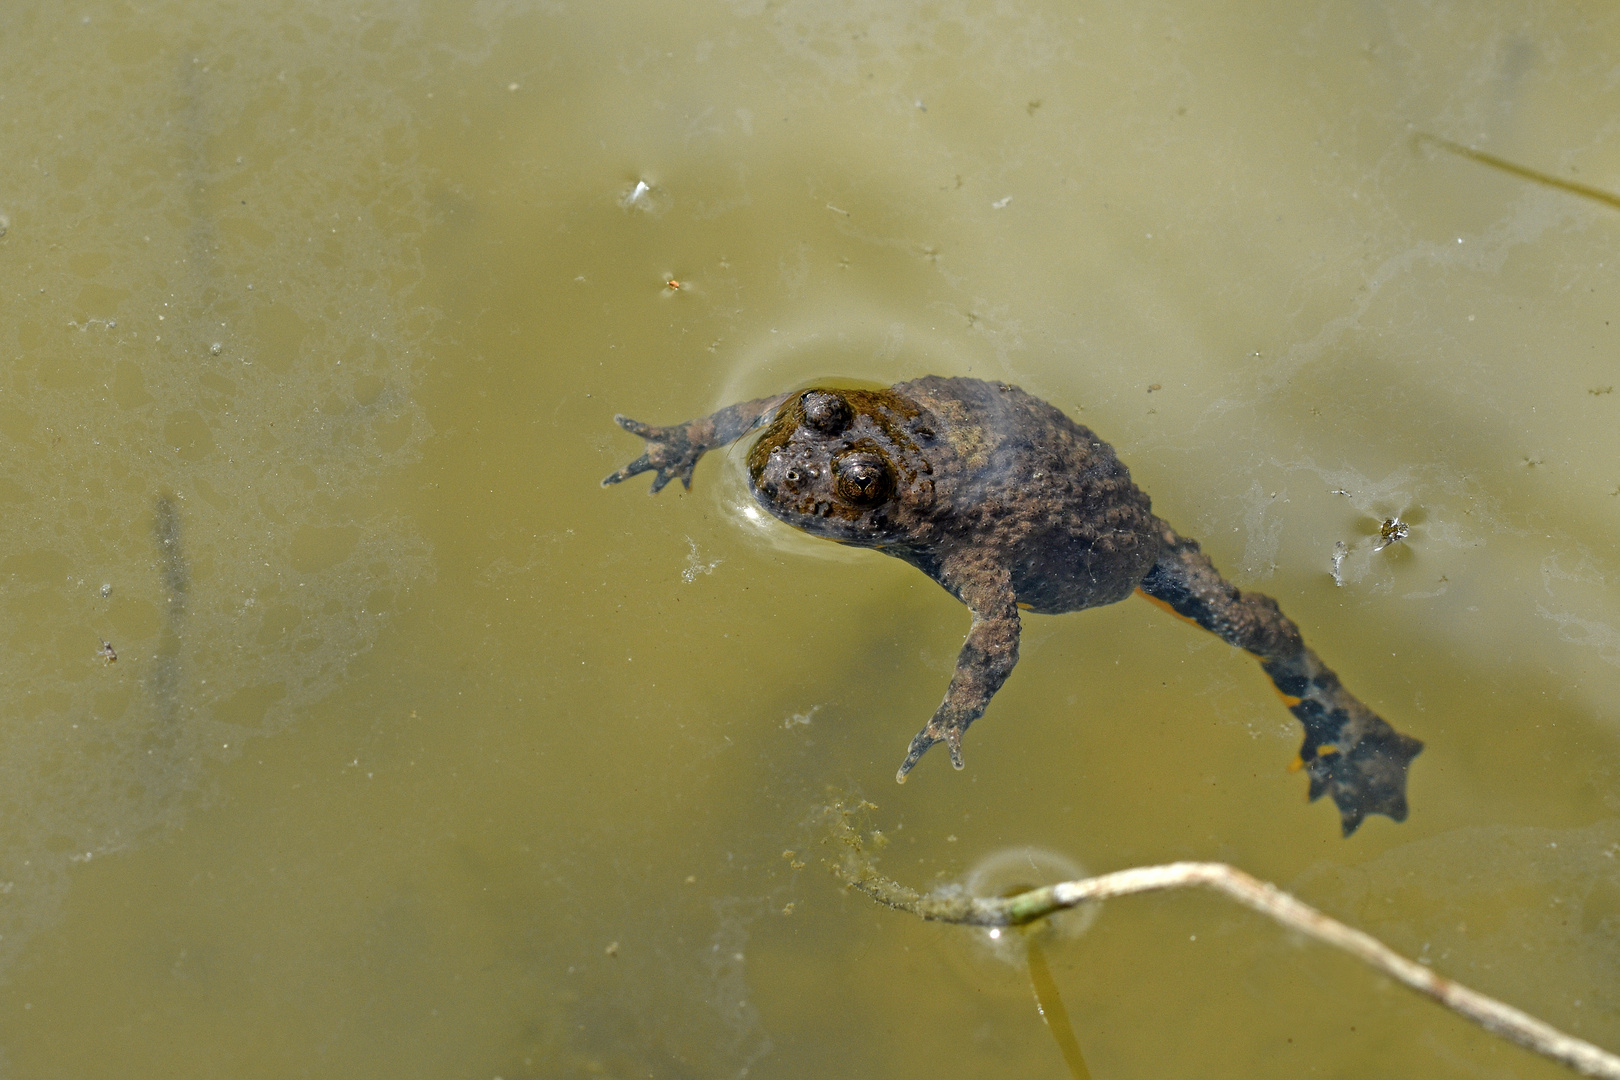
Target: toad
1009, 504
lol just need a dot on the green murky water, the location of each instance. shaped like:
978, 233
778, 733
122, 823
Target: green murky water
424, 756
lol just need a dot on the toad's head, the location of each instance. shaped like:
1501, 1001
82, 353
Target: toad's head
848, 465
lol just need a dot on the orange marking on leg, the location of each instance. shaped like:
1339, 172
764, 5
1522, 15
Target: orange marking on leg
1164, 606
1297, 764
1288, 699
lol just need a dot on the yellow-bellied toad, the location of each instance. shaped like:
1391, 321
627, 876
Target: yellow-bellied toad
1009, 504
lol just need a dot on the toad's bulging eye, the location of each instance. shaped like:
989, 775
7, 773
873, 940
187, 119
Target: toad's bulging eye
863, 478
793, 476
827, 413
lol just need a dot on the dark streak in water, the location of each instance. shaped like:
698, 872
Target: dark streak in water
175, 578
195, 131
1585, 191
172, 561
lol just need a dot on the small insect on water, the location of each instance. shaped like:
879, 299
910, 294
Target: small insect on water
1391, 531
107, 652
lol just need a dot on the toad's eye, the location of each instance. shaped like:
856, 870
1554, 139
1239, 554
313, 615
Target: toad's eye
827, 413
863, 478
793, 476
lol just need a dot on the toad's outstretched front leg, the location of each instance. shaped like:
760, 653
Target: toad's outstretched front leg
987, 658
672, 452
1349, 751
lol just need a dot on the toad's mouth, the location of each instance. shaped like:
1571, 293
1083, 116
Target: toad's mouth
822, 517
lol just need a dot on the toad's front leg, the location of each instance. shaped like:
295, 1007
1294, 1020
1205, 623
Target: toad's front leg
672, 452
987, 658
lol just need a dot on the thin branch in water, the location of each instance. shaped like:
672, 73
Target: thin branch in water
856, 870
1586, 191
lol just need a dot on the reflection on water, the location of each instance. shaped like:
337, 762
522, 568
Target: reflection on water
474, 769
1049, 1002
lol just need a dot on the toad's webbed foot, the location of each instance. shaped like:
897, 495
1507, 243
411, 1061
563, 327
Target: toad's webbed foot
1368, 779
671, 454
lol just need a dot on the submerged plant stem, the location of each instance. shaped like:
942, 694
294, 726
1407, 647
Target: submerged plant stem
1026, 907
1052, 1010
1586, 191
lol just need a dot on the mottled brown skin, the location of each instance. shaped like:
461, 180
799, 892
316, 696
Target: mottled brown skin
1009, 504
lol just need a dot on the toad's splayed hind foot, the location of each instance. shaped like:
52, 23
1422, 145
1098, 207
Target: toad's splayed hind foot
1369, 779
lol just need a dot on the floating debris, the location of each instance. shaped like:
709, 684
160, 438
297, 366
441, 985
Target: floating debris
1340, 551
801, 719
640, 195
1392, 531
106, 652
695, 564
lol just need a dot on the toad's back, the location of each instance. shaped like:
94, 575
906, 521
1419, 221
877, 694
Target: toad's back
1021, 485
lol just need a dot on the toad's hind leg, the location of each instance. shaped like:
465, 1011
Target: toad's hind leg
1349, 751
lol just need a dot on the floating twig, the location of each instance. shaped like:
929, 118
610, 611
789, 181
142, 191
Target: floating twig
1026, 907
